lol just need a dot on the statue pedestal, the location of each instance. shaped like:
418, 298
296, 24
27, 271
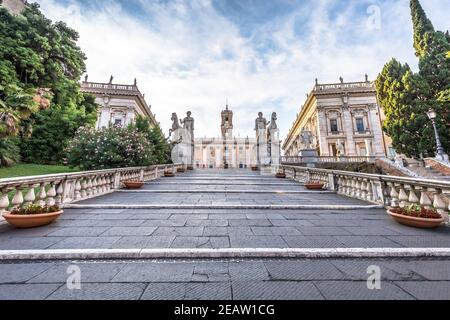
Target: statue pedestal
310, 157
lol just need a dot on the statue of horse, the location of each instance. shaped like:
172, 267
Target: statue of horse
175, 124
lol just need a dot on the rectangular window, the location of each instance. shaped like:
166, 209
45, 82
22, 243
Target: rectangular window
360, 125
334, 125
118, 122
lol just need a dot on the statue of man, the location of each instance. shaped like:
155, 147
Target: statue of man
340, 148
260, 122
188, 123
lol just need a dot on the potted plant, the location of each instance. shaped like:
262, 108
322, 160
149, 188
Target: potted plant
32, 216
133, 184
169, 174
281, 174
417, 216
314, 185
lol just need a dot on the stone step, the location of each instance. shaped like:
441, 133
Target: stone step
229, 253
228, 191
168, 182
225, 206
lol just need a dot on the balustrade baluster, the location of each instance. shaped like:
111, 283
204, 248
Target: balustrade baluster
78, 188
89, 187
425, 199
440, 205
59, 199
413, 199
30, 197
17, 200
403, 196
42, 195
4, 200
51, 194
363, 189
393, 195
84, 188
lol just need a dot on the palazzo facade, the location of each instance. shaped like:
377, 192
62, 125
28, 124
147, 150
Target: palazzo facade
119, 104
225, 151
340, 119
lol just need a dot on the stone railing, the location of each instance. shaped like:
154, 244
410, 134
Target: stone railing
390, 191
60, 189
109, 86
344, 86
327, 159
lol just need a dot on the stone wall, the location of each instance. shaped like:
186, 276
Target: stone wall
442, 168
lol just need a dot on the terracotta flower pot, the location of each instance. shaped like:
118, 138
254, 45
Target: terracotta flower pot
190, 168
31, 220
133, 184
314, 185
255, 168
168, 174
281, 175
181, 170
424, 223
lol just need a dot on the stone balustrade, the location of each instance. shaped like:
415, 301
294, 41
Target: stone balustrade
60, 189
327, 159
390, 191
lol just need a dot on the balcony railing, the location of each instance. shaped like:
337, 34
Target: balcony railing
60, 189
344, 86
327, 159
389, 191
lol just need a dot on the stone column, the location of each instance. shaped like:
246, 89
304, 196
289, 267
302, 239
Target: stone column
347, 127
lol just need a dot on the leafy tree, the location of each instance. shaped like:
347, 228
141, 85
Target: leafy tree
40, 98
162, 149
406, 96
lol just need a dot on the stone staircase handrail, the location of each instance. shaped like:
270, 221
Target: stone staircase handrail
63, 188
390, 191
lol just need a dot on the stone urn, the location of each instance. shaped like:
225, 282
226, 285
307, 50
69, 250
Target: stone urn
24, 221
416, 222
133, 184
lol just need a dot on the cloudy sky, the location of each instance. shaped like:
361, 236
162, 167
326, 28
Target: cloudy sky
263, 55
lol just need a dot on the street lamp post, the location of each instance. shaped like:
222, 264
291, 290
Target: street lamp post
440, 154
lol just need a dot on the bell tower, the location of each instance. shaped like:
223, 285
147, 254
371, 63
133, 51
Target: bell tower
227, 124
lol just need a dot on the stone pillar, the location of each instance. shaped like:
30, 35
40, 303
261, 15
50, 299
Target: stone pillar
275, 148
347, 127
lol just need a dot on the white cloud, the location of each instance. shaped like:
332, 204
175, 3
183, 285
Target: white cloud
188, 56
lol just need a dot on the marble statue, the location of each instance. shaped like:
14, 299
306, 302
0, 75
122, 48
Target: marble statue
175, 123
273, 122
306, 139
261, 122
188, 122
340, 148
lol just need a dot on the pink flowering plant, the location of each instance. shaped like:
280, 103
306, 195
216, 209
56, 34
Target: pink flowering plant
112, 147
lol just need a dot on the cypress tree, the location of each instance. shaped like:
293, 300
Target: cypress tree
406, 96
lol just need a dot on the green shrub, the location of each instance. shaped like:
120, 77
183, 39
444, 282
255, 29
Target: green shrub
107, 148
9, 151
